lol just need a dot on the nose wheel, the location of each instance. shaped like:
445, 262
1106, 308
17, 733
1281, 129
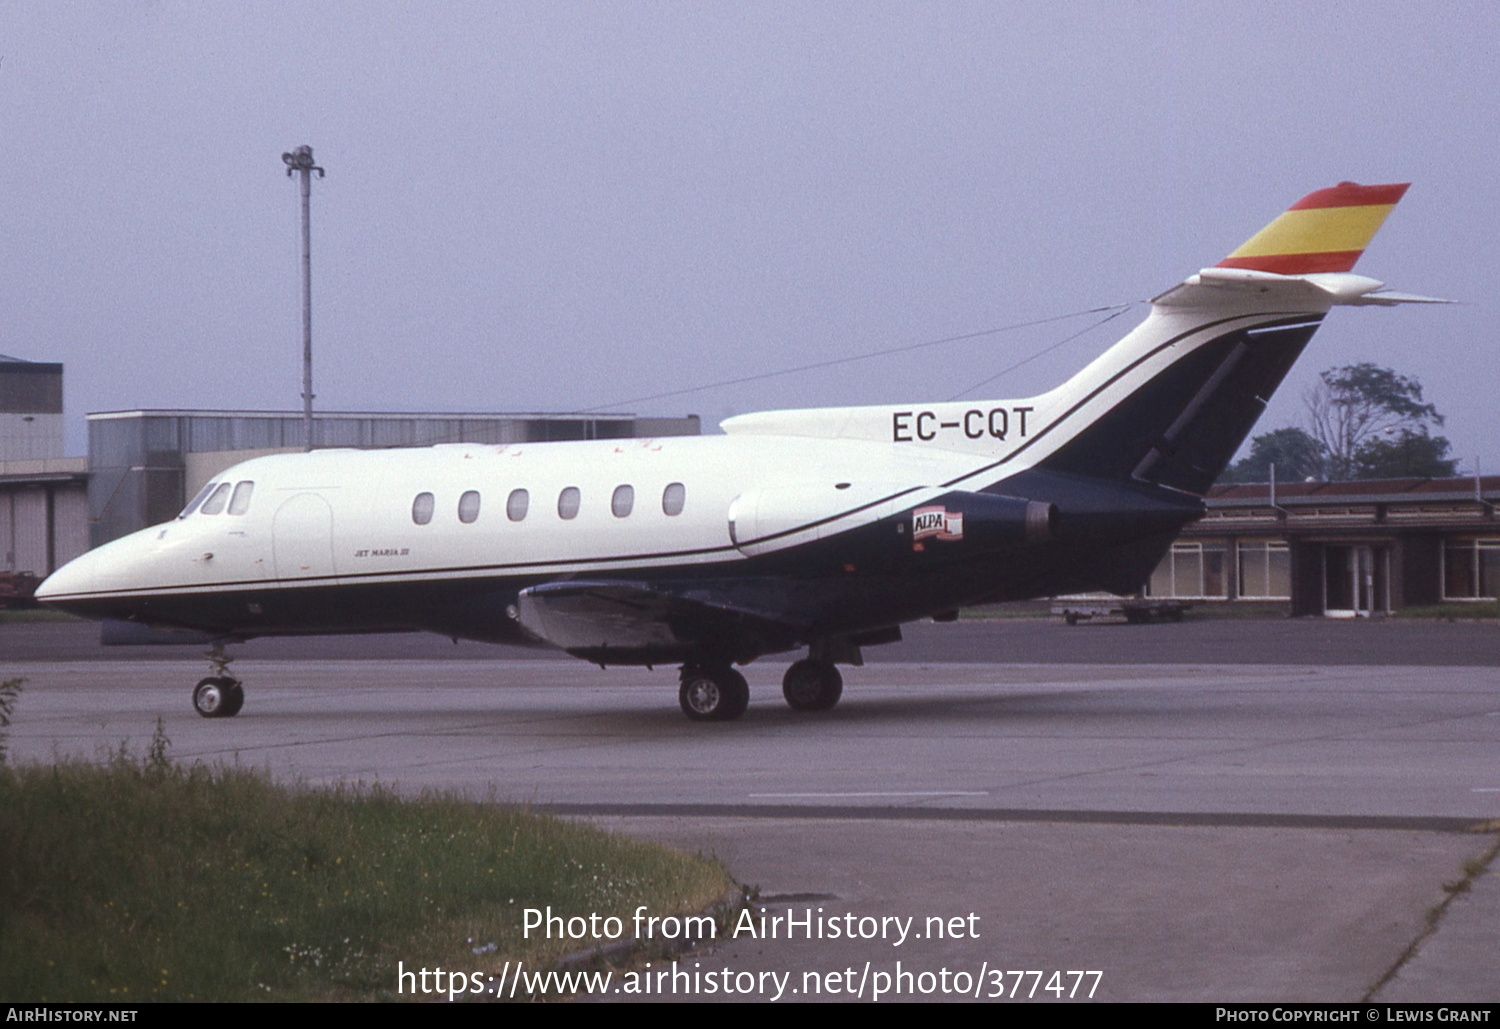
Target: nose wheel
220, 695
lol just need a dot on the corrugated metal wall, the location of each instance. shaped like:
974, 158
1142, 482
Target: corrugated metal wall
70, 523
37, 536
26, 545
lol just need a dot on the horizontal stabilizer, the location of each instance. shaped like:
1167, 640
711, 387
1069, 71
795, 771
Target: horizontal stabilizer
1390, 298
1233, 287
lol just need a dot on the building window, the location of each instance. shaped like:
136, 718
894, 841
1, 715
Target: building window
623, 501
1471, 570
1191, 571
421, 508
468, 507
240, 502
673, 498
214, 504
516, 504
567, 503
1265, 570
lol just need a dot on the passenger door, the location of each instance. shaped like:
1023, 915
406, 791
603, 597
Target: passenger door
303, 538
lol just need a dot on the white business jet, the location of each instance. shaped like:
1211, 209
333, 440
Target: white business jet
821, 529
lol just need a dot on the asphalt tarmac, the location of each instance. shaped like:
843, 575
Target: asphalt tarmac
1151, 803
1230, 641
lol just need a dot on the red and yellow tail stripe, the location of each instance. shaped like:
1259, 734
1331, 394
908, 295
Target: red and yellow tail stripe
1325, 231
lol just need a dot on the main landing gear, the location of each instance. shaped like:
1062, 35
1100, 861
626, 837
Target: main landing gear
713, 693
812, 685
220, 695
718, 693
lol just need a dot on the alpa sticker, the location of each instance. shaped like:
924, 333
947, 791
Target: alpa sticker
937, 522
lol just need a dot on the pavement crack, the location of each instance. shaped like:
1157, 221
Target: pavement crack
1453, 889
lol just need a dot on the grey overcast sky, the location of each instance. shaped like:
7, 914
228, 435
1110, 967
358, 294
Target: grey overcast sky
544, 206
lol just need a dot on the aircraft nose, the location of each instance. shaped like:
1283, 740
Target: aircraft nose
72, 580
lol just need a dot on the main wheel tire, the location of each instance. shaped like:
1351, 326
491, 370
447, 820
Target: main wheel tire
234, 698
811, 685
713, 695
211, 697
739, 694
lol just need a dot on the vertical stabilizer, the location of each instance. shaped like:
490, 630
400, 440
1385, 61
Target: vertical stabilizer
1325, 231
1172, 402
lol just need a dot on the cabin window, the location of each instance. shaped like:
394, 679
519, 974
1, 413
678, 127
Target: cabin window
214, 504
200, 498
623, 501
672, 499
516, 504
567, 503
421, 508
468, 507
239, 503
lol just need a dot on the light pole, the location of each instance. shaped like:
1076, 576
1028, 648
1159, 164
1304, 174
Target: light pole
301, 160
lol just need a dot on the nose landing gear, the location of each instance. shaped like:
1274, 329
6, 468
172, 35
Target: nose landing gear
220, 695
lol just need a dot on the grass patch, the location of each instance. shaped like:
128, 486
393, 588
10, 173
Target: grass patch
10, 692
1198, 611
140, 880
1009, 609
36, 614
1452, 611
1218, 610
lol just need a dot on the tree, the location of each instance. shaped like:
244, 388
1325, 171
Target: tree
1357, 405
1367, 422
1295, 454
1405, 454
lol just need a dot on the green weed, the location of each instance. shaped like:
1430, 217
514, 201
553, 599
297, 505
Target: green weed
144, 880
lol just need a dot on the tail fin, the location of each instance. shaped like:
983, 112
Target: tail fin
1172, 402
1325, 231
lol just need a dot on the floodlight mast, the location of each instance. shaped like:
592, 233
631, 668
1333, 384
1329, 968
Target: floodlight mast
301, 160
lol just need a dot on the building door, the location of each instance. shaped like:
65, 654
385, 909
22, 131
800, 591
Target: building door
1353, 581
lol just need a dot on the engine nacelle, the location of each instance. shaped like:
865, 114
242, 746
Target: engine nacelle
983, 521
762, 521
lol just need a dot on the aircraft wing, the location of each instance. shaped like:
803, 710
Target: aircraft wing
637, 623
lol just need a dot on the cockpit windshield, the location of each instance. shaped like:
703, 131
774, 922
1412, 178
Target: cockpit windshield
216, 501
193, 504
240, 502
213, 498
